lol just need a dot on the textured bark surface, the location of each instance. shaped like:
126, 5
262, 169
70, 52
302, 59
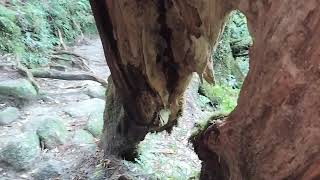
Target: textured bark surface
274, 133
152, 47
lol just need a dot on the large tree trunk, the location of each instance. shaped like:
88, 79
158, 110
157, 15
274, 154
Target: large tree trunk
274, 133
152, 47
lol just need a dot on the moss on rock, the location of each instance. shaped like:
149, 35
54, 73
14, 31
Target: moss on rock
22, 151
95, 124
19, 88
52, 132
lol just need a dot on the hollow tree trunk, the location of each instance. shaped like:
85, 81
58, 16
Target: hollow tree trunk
274, 132
152, 47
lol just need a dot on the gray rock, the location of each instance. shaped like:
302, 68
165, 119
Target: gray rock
22, 151
52, 132
85, 108
99, 173
20, 88
95, 124
203, 101
96, 91
82, 137
8, 115
51, 169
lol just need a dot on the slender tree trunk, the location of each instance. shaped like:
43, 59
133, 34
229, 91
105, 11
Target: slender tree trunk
152, 47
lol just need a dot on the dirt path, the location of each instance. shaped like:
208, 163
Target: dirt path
74, 103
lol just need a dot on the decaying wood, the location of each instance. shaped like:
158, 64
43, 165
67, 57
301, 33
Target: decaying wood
152, 47
54, 74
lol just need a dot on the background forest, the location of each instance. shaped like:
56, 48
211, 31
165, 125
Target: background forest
33, 28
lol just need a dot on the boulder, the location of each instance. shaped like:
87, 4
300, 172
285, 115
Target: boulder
85, 108
98, 174
82, 137
8, 115
203, 101
51, 169
21, 151
96, 91
95, 124
52, 132
19, 88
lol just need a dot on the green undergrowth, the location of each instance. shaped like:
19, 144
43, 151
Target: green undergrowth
31, 29
223, 95
231, 61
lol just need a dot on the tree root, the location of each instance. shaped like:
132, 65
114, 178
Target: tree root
80, 62
25, 72
59, 52
54, 74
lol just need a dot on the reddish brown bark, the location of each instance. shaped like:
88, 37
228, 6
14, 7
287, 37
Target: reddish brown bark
274, 133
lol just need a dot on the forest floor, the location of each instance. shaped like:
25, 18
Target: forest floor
77, 155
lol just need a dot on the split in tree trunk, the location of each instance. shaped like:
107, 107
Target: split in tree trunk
152, 47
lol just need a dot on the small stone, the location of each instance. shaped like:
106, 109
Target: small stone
203, 101
8, 115
95, 124
22, 151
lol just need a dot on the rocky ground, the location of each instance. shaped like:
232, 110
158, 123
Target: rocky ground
54, 134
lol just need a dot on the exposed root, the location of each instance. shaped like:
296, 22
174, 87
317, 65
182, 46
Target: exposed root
53, 74
213, 166
25, 72
70, 53
81, 63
